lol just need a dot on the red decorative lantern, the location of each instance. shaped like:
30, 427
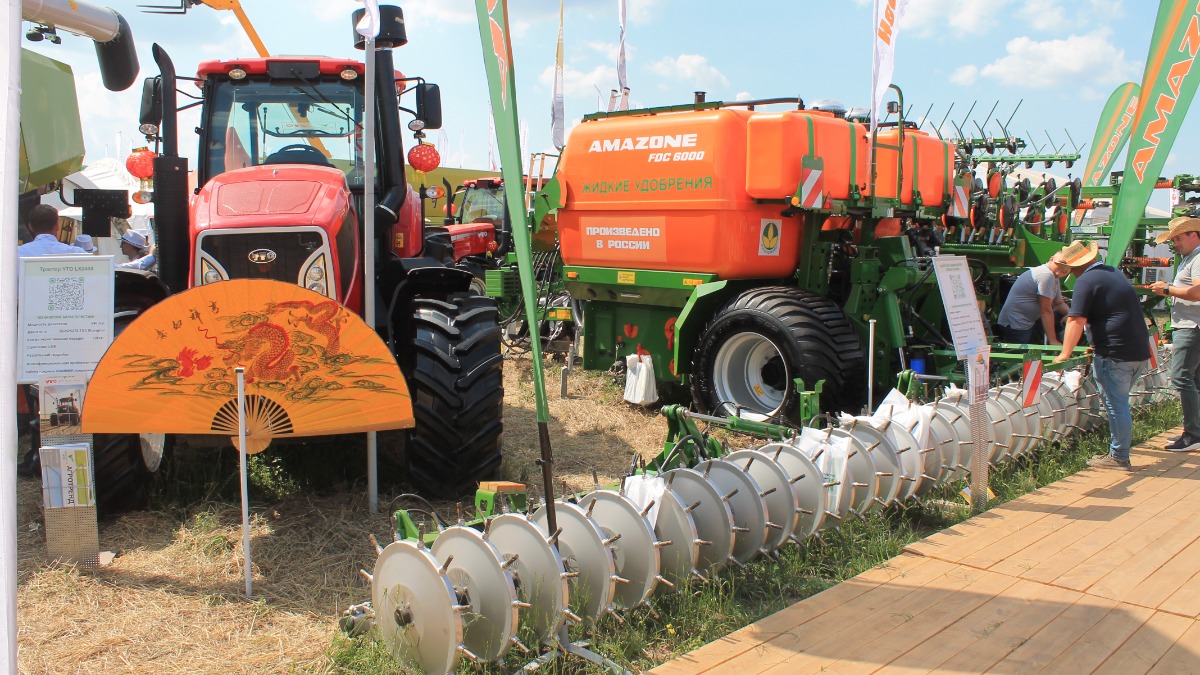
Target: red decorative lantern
140, 163
424, 157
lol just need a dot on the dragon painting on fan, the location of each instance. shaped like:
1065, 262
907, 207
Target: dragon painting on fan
311, 368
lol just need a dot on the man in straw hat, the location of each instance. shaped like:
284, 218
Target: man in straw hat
1036, 295
1184, 291
1107, 305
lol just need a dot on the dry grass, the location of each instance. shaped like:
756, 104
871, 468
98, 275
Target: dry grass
173, 601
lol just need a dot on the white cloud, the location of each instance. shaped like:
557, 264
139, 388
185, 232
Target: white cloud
965, 75
928, 17
581, 84
1076, 59
1044, 15
692, 69
608, 49
743, 96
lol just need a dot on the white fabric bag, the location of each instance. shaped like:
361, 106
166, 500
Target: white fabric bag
640, 387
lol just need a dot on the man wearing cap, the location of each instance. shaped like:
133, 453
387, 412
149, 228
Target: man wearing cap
1184, 291
43, 224
136, 248
1036, 295
1107, 305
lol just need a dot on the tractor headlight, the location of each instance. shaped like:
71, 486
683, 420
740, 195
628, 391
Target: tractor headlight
210, 274
314, 276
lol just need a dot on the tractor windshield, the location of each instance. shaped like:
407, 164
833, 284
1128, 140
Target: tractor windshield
253, 122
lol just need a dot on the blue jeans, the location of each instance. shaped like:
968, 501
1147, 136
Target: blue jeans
1185, 373
1014, 335
1115, 379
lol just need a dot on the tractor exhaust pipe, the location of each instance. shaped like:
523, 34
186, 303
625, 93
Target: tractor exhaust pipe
170, 186
114, 40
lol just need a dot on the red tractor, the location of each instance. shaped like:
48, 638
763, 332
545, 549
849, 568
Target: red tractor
279, 195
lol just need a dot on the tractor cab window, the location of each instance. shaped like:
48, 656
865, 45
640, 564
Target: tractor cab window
483, 204
255, 122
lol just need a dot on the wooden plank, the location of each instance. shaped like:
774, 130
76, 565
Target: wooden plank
1122, 583
821, 631
1063, 566
1144, 648
1186, 600
1184, 655
719, 651
985, 621
1097, 643
1057, 636
932, 611
998, 639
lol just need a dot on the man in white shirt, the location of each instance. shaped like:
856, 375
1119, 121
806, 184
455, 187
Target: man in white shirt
43, 224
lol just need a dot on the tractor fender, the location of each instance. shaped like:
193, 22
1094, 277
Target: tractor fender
703, 303
137, 290
406, 278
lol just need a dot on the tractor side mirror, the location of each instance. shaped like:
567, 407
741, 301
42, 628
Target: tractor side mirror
429, 105
150, 115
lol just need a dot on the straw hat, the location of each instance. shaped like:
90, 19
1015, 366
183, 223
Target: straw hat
1078, 253
1178, 226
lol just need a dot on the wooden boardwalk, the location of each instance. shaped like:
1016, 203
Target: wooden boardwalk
1099, 572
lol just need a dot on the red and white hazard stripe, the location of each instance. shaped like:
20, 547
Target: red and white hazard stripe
959, 208
1031, 380
812, 188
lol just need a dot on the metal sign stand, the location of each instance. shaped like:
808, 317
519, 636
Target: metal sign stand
241, 386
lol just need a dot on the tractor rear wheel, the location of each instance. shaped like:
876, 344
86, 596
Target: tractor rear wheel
763, 339
455, 378
122, 478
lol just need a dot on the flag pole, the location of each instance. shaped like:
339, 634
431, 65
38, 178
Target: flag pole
244, 475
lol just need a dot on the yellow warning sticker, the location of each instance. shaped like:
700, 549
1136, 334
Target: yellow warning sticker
759, 390
626, 277
692, 282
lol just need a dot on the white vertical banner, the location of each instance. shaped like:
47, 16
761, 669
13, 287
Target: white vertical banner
492, 141
886, 23
557, 113
10, 130
621, 82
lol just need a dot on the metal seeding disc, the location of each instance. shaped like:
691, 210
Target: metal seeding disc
741, 492
482, 583
414, 608
714, 518
634, 554
782, 504
584, 551
537, 573
807, 484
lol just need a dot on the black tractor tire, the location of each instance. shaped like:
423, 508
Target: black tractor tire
122, 479
753, 348
455, 377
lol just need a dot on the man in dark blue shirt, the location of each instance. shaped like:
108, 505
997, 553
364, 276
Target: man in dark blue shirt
1106, 303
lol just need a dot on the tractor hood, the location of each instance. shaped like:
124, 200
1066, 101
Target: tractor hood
273, 196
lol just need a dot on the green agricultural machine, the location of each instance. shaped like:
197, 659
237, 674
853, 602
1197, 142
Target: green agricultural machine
749, 248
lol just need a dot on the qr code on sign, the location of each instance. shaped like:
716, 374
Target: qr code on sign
66, 294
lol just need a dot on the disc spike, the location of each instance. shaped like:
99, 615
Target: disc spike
569, 575
516, 642
749, 462
766, 492
707, 469
611, 612
613, 539
699, 577
774, 526
646, 511
367, 575
807, 512
851, 454
663, 580
734, 561
729, 496
446, 565
651, 611
670, 479
693, 507
661, 543
740, 530
880, 502
857, 485
701, 542
521, 605
467, 653
874, 445
553, 539
458, 509
375, 543
828, 433
462, 608
820, 451
618, 579
778, 451
572, 615
510, 561
591, 507
884, 474
421, 537
595, 480
831, 514
487, 528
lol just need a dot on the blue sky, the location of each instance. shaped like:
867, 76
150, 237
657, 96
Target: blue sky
1062, 58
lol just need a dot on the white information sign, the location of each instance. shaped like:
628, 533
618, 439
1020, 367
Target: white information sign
64, 314
977, 376
962, 310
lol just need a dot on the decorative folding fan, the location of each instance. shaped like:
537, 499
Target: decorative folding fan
312, 367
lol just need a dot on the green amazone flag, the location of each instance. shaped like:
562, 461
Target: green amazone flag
1168, 86
498, 62
1111, 132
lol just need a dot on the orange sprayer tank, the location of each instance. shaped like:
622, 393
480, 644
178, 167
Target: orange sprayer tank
776, 142
927, 159
668, 192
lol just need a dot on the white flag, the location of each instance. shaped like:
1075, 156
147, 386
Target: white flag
557, 114
621, 53
887, 20
368, 25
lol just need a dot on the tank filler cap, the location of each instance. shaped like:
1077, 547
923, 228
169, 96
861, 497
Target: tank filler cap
829, 105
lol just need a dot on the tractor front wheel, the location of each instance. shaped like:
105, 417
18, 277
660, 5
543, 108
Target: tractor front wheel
753, 349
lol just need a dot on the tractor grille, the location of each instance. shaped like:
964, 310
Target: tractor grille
232, 251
